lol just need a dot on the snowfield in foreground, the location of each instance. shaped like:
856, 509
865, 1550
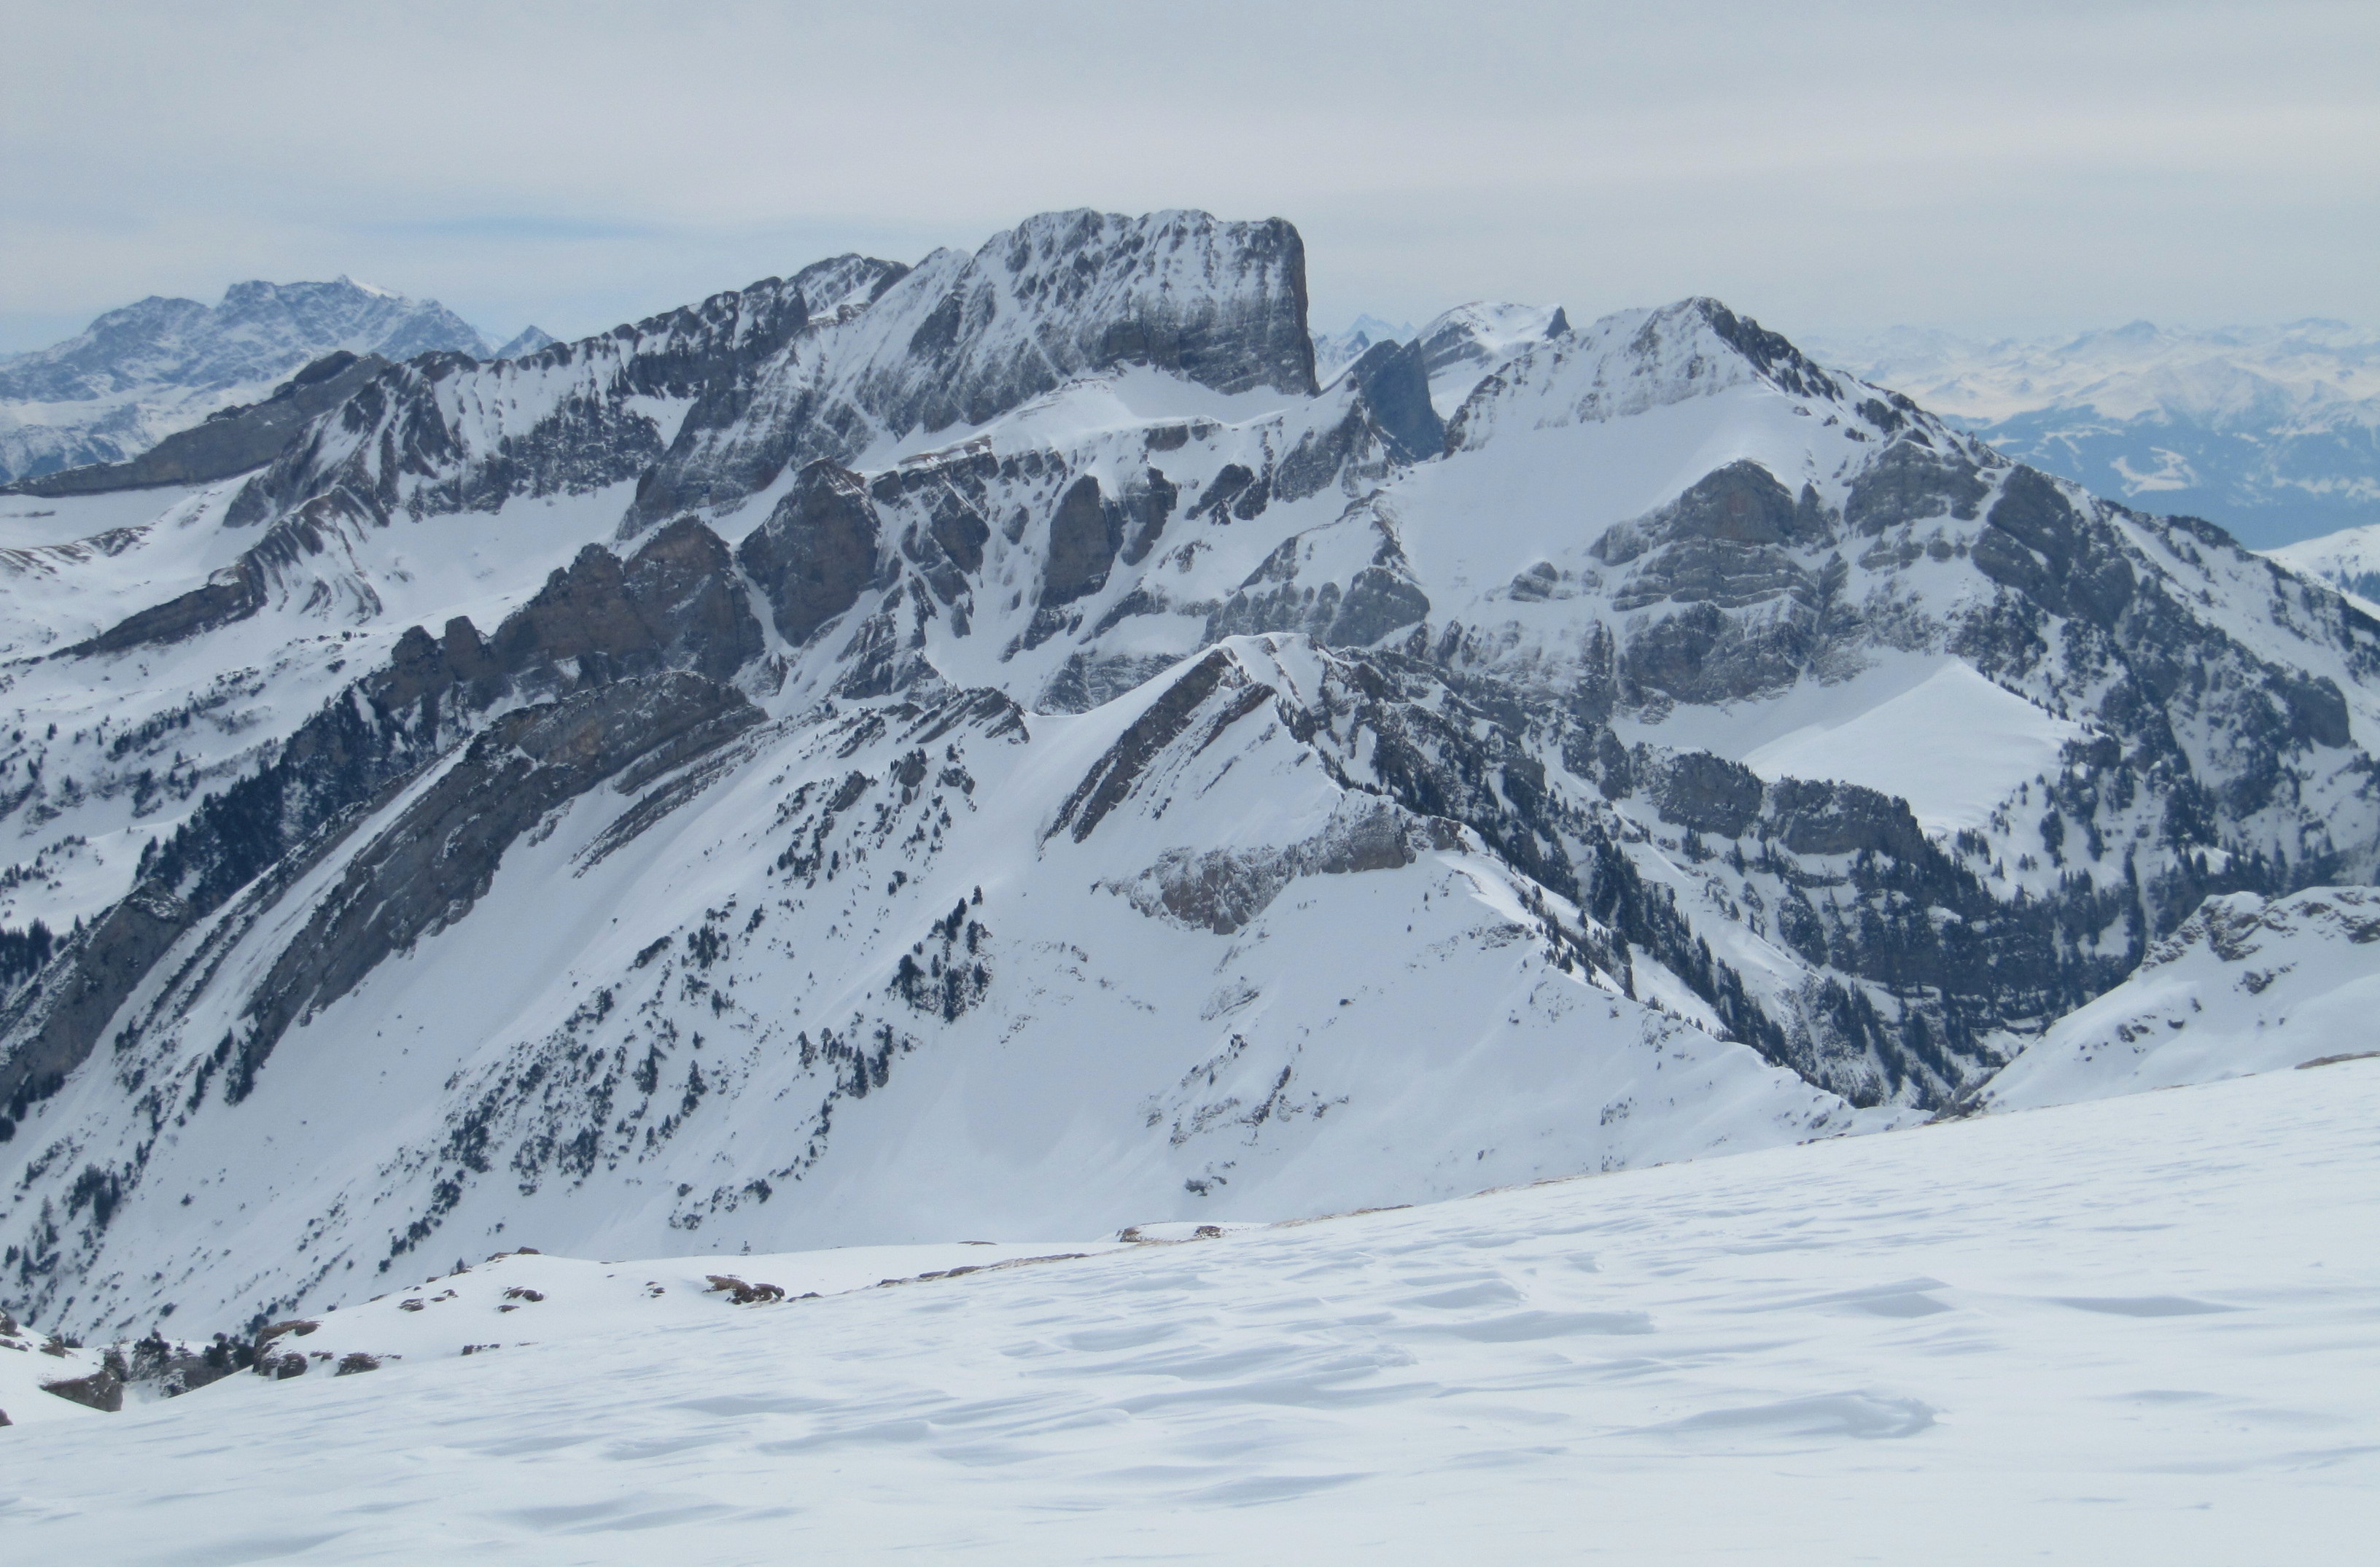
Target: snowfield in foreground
2138, 1329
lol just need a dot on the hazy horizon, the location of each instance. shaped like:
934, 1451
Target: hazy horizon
497, 332
2022, 171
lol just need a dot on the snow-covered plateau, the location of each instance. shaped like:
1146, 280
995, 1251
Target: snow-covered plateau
2138, 1329
894, 769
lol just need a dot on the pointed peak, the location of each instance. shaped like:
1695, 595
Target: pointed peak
527, 341
1770, 353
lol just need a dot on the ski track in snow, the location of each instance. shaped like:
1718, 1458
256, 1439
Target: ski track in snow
2134, 1331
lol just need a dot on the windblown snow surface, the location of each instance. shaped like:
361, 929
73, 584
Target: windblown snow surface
2138, 1329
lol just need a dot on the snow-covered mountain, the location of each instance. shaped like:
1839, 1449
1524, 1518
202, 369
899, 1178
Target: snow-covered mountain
997, 744
1457, 349
2272, 432
1467, 344
137, 375
529, 340
2349, 560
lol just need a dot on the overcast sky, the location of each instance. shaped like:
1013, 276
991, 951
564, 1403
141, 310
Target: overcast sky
1828, 168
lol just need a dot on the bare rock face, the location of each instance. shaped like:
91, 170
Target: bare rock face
56, 1021
2037, 544
676, 604
1733, 539
1708, 794
582, 614
1222, 304
964, 339
817, 551
1910, 483
1396, 384
684, 587
1085, 533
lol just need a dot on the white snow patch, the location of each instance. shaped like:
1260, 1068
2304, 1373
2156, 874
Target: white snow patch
1954, 746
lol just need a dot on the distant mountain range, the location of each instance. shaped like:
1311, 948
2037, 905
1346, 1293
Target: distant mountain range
2272, 432
141, 373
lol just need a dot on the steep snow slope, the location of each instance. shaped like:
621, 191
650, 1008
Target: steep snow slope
1578, 738
2244, 985
138, 374
1922, 1346
2273, 432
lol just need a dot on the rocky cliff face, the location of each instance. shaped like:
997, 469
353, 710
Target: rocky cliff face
450, 435
964, 339
1003, 705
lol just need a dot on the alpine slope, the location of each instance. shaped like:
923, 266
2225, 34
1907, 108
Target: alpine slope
998, 747
1915, 1347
